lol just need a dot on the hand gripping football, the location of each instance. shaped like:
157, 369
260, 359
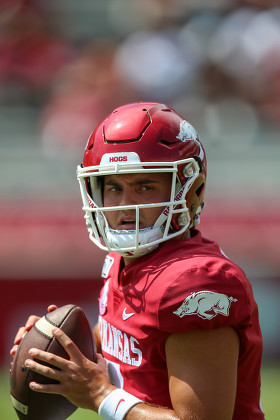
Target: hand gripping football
30, 405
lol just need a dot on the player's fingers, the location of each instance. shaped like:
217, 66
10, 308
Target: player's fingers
13, 350
68, 345
50, 358
48, 371
52, 308
22, 330
31, 321
20, 334
46, 388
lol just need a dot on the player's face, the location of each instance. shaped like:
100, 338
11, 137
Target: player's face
133, 189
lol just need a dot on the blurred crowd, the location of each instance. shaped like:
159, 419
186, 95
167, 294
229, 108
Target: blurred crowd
216, 61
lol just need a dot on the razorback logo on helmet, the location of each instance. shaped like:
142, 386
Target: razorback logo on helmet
188, 132
206, 304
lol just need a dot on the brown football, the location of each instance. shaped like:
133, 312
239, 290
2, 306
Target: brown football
30, 405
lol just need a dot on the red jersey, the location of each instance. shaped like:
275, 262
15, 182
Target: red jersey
183, 285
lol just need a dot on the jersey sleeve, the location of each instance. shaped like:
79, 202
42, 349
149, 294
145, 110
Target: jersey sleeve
206, 297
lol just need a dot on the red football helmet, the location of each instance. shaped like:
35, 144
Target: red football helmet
137, 138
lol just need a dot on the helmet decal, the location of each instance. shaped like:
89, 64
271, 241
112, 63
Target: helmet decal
188, 132
120, 157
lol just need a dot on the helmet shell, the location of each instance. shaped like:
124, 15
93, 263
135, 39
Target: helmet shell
149, 129
156, 133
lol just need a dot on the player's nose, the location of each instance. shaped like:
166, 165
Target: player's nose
128, 198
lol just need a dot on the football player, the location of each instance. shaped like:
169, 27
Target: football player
178, 327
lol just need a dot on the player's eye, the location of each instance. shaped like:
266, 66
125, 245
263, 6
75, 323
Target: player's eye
146, 188
112, 188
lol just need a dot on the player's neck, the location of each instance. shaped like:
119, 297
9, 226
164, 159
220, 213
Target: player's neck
185, 235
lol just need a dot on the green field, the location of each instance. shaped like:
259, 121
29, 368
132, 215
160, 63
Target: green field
270, 397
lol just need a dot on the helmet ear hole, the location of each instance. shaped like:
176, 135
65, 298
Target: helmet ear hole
199, 161
199, 191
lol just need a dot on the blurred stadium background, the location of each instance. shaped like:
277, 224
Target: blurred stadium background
64, 65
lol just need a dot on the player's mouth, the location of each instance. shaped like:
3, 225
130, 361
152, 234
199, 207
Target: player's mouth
127, 223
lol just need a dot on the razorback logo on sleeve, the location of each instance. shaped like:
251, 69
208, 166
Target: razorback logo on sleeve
206, 304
